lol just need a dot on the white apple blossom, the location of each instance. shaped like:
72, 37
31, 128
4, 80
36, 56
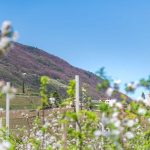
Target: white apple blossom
5, 145
4, 43
140, 99
115, 114
117, 123
5, 89
132, 85
147, 101
109, 92
97, 133
83, 89
52, 100
136, 120
6, 27
119, 105
142, 111
115, 132
104, 120
7, 36
112, 102
118, 82
130, 123
129, 135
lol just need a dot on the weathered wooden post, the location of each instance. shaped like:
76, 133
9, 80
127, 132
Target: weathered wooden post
7, 108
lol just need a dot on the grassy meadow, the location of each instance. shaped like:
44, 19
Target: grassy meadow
22, 102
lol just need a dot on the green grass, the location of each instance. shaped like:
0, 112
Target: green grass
22, 102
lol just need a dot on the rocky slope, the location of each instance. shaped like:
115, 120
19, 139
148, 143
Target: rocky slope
35, 63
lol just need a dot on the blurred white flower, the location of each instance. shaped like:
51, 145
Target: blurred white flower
112, 102
97, 133
2, 148
5, 89
6, 24
147, 101
52, 100
7, 36
52, 139
5, 41
83, 89
104, 120
117, 123
119, 105
15, 36
129, 84
129, 135
115, 114
132, 85
117, 82
124, 139
70, 126
29, 146
109, 92
130, 123
56, 145
39, 133
6, 27
5, 145
46, 125
140, 99
136, 120
26, 115
115, 132
142, 111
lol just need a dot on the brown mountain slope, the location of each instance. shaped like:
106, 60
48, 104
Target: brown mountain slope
36, 62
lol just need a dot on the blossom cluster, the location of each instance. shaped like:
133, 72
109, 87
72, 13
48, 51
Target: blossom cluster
7, 36
6, 88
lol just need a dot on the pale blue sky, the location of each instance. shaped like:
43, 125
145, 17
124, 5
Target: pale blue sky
87, 33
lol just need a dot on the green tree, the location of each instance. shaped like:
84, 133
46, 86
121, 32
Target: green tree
57, 98
145, 83
101, 73
105, 83
44, 81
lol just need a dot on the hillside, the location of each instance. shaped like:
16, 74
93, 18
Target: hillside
36, 62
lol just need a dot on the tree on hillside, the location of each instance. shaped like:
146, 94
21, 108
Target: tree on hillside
105, 83
57, 98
